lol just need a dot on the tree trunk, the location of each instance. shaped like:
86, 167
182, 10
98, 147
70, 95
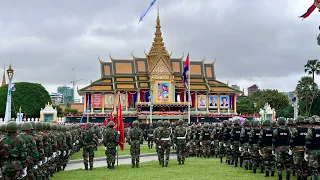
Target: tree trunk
313, 76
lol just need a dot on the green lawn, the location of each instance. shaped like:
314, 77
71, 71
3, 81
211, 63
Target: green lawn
195, 168
100, 152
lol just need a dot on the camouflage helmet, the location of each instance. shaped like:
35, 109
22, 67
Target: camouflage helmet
300, 120
54, 127
12, 120
236, 122
135, 123
266, 123
111, 124
307, 120
314, 117
59, 128
12, 126
19, 126
3, 128
33, 124
273, 123
49, 127
316, 120
151, 126
225, 122
166, 123
39, 126
160, 123
290, 122
255, 123
246, 123
26, 126
88, 125
281, 121
180, 122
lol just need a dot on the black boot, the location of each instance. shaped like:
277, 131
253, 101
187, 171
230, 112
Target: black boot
137, 164
182, 161
246, 167
179, 162
221, 160
133, 163
267, 174
91, 168
250, 167
85, 167
288, 176
272, 173
262, 170
241, 165
279, 175
293, 172
167, 162
162, 163
254, 171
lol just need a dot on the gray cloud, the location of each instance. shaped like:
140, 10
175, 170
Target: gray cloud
252, 40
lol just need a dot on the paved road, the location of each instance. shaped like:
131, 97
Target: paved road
127, 160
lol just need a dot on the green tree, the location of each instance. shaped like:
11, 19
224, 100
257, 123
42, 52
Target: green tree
70, 111
286, 112
307, 92
31, 97
275, 99
312, 67
245, 106
59, 110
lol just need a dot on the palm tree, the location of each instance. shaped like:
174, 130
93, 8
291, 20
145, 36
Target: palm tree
312, 67
307, 91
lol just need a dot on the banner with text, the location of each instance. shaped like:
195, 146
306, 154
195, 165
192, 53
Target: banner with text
96, 100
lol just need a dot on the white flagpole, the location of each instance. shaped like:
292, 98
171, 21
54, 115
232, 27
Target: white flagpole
189, 98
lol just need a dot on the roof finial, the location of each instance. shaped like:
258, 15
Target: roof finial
158, 9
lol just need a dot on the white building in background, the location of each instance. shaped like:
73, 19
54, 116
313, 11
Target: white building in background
57, 98
77, 100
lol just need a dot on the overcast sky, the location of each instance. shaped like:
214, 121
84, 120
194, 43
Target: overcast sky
259, 42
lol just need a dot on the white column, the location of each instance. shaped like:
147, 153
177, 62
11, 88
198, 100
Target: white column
8, 104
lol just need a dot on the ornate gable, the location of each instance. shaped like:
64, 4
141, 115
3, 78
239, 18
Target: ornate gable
161, 71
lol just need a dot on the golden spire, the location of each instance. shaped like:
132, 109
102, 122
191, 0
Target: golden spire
4, 77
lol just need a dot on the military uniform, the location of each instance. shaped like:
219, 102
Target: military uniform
180, 134
226, 141
235, 142
281, 140
111, 142
157, 136
254, 146
89, 143
165, 140
244, 144
222, 149
196, 140
205, 141
135, 139
150, 136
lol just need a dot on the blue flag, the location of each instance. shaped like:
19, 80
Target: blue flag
146, 11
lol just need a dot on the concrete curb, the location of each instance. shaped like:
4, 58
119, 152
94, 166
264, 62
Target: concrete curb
120, 157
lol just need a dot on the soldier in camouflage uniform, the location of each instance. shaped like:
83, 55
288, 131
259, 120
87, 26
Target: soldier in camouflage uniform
164, 149
111, 142
265, 144
89, 142
281, 141
13, 154
222, 149
244, 144
205, 141
135, 139
157, 136
226, 141
150, 136
312, 150
215, 135
180, 135
235, 141
191, 143
196, 140
297, 144
254, 146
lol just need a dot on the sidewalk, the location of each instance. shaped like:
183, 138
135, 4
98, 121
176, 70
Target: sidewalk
100, 162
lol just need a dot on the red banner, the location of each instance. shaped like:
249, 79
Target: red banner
96, 100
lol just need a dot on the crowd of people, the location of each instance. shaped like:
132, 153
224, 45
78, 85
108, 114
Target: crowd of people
38, 150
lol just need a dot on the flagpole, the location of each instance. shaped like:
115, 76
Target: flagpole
118, 129
189, 98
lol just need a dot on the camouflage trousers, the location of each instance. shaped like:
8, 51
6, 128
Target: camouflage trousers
314, 158
111, 156
135, 151
255, 156
164, 150
206, 148
267, 159
283, 159
150, 142
192, 148
228, 151
88, 152
216, 147
235, 152
222, 150
12, 170
198, 148
181, 151
300, 165
244, 155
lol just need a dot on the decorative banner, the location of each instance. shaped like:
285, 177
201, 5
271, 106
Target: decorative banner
224, 102
202, 101
96, 100
108, 100
123, 100
163, 91
213, 101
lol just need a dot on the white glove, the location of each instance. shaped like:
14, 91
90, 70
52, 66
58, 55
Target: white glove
0, 174
260, 152
290, 152
39, 163
117, 148
200, 143
159, 147
35, 167
74, 143
188, 144
69, 152
212, 142
64, 153
306, 157
231, 147
224, 145
249, 150
240, 148
194, 143
273, 152
49, 158
77, 141
105, 148
24, 172
45, 160
59, 152
54, 155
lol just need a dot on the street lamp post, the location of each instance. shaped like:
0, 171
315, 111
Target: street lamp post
10, 73
151, 106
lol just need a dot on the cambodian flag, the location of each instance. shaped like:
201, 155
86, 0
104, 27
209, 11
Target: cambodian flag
185, 69
309, 11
